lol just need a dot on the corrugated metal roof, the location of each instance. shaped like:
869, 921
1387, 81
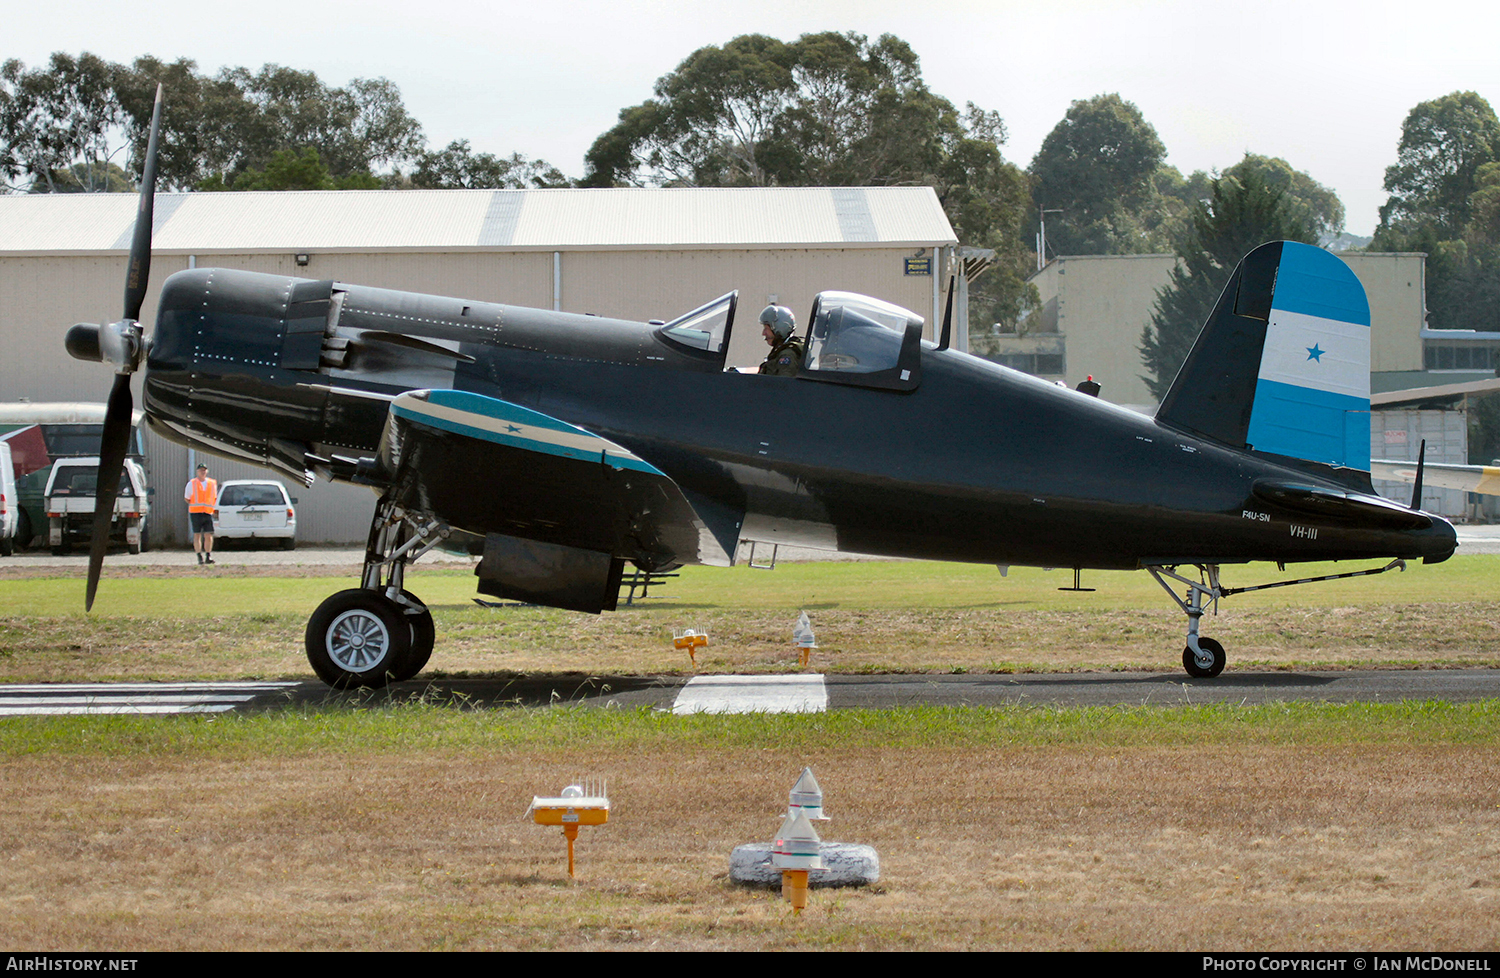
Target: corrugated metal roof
463, 220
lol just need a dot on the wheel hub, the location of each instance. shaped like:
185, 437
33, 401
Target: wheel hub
358, 641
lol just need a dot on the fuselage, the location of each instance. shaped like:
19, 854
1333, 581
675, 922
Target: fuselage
977, 463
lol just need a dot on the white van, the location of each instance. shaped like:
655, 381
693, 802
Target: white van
9, 508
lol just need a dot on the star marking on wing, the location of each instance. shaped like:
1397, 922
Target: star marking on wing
1313, 353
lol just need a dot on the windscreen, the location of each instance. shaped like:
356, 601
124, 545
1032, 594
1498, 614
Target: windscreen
77, 481
706, 327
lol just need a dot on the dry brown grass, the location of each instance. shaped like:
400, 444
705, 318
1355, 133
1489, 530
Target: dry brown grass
1053, 847
637, 641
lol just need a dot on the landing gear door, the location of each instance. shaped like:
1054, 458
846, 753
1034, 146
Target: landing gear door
854, 339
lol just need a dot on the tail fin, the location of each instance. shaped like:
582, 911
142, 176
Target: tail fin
1283, 364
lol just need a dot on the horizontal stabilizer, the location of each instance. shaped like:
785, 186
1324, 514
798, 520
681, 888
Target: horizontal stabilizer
1338, 504
1469, 478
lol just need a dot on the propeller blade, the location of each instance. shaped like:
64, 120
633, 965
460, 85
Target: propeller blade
120, 344
139, 270
112, 448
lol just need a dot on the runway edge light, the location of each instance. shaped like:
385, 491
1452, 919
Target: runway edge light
802, 637
806, 796
580, 803
838, 863
691, 640
796, 851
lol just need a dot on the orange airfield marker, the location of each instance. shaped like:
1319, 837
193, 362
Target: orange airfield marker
578, 805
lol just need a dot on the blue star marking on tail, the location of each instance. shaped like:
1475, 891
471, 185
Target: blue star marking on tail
1313, 353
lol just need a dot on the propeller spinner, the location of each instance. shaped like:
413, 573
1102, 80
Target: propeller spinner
121, 344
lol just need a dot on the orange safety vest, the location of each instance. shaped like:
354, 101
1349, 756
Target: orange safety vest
202, 496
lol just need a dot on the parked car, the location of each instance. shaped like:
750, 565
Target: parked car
70, 504
255, 510
10, 509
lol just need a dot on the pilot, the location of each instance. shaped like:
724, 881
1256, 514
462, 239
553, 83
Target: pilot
777, 324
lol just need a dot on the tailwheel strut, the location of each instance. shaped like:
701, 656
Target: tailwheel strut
1203, 657
379, 632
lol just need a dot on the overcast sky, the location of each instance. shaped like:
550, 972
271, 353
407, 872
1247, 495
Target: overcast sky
1324, 85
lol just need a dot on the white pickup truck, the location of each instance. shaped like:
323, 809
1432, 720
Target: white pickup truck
70, 504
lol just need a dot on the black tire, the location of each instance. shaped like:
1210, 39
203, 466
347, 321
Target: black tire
1190, 661
423, 638
61, 550
145, 539
357, 638
7, 546
23, 531
289, 543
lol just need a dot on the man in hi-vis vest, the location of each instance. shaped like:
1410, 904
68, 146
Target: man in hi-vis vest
202, 495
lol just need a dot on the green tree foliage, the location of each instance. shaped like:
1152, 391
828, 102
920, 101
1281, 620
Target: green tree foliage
1306, 199
56, 117
1242, 213
275, 128
459, 167
1445, 201
827, 109
1096, 165
86, 178
1443, 144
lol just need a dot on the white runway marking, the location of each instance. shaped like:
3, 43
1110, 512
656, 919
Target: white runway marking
58, 699
753, 694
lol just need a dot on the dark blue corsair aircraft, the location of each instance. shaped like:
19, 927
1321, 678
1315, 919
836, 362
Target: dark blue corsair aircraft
566, 446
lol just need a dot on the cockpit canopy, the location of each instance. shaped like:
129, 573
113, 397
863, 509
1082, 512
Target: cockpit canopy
850, 339
854, 339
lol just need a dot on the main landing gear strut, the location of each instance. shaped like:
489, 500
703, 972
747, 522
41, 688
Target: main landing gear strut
379, 632
1204, 658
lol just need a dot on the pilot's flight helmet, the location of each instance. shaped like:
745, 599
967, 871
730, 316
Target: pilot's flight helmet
780, 319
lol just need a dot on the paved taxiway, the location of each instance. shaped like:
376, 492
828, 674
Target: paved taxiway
797, 693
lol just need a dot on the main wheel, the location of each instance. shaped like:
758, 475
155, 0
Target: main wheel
423, 638
1201, 670
358, 638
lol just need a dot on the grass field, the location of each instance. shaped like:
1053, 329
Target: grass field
1265, 828
868, 616
1277, 827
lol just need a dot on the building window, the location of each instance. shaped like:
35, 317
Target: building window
1439, 355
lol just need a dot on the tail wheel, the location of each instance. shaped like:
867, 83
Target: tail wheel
1209, 665
358, 638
